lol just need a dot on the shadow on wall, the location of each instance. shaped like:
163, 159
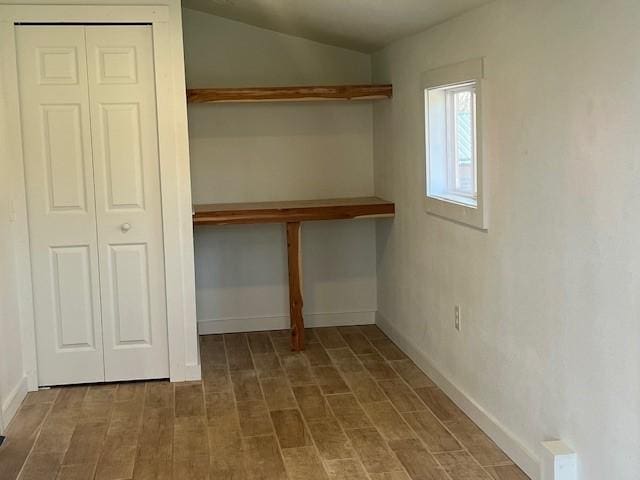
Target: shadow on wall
255, 255
273, 119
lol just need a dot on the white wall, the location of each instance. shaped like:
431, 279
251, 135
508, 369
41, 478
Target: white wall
282, 151
13, 384
550, 311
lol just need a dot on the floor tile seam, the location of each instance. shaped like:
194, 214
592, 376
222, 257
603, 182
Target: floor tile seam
104, 436
233, 393
396, 410
206, 417
142, 415
386, 442
274, 432
360, 405
35, 440
413, 390
306, 422
84, 396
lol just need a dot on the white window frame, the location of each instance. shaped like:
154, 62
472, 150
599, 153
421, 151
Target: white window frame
452, 157
452, 204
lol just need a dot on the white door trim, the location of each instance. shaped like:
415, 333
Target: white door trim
174, 171
2, 424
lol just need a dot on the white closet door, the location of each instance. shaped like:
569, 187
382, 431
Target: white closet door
128, 202
59, 180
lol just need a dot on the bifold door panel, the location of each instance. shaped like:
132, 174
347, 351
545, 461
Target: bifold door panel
128, 205
89, 126
58, 160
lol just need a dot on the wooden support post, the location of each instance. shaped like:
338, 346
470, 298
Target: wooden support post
294, 256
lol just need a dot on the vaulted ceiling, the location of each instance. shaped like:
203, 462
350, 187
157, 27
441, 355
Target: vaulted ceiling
364, 25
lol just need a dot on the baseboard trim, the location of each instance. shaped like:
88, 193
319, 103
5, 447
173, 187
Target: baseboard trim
255, 324
513, 447
12, 403
192, 372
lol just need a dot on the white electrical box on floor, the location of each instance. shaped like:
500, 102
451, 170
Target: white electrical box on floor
559, 462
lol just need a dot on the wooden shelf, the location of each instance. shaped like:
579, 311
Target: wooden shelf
292, 211
290, 94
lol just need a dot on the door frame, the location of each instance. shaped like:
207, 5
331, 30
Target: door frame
175, 185
2, 425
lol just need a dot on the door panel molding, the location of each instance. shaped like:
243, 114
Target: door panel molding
66, 186
120, 126
129, 272
111, 60
71, 272
57, 65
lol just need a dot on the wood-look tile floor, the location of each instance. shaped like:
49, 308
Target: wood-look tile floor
350, 407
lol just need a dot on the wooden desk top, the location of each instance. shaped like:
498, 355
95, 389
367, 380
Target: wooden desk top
292, 211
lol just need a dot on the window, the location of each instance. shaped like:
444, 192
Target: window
452, 143
453, 160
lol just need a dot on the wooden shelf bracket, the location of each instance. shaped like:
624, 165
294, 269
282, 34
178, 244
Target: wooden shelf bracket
295, 285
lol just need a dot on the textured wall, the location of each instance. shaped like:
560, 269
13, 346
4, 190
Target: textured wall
549, 296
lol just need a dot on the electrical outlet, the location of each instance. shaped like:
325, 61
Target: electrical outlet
456, 322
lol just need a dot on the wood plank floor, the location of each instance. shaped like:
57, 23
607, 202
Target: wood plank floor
350, 407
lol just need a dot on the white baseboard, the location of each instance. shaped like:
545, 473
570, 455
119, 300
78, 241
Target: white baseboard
559, 462
514, 448
192, 372
32, 380
256, 324
11, 404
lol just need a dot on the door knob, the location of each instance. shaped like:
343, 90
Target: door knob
125, 227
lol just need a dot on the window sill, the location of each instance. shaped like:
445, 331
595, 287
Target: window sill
470, 202
457, 209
